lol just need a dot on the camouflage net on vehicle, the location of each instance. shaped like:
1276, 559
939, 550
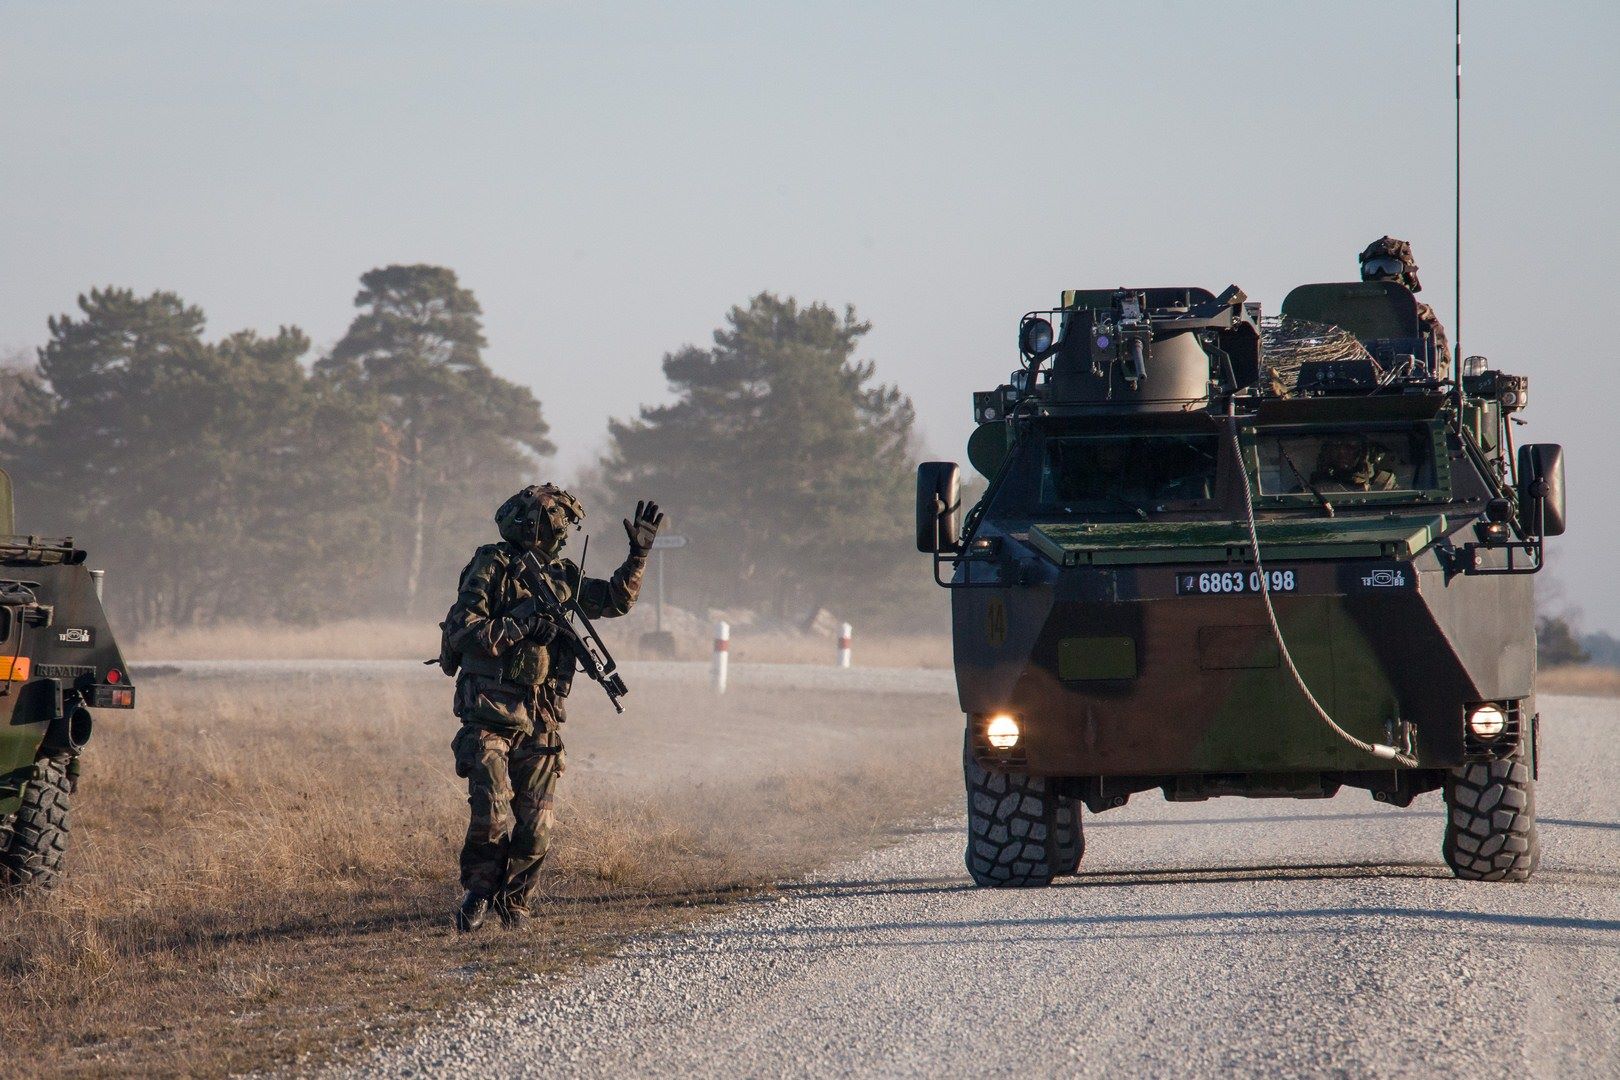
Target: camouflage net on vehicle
1288, 342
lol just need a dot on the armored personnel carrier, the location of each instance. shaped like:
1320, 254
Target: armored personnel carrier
58, 660
1226, 555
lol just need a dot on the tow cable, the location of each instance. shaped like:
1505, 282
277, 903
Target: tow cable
1378, 750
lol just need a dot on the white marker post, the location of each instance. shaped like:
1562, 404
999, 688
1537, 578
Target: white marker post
722, 654
845, 632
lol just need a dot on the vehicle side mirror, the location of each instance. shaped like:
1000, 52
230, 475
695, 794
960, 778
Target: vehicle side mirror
1541, 489
939, 506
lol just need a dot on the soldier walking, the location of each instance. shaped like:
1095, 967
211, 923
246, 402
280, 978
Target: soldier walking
515, 671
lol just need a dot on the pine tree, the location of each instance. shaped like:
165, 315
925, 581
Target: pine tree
210, 480
459, 438
1556, 643
786, 464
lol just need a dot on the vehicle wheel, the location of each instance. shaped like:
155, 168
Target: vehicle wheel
33, 842
1021, 832
1491, 821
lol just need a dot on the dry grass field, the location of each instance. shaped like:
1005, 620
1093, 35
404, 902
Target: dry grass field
381, 639
1581, 679
263, 871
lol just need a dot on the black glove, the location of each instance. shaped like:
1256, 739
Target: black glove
542, 631
533, 623
643, 528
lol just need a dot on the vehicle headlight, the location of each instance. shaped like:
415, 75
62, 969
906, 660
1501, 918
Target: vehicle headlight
1035, 337
1487, 721
1002, 731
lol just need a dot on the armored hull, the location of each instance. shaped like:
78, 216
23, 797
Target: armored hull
58, 660
1196, 572
1136, 671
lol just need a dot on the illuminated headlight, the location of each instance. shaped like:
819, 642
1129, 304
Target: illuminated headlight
1487, 721
1002, 731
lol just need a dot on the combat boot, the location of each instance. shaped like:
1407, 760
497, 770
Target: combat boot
513, 916
472, 912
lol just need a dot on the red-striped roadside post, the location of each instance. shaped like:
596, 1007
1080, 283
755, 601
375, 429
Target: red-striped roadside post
722, 654
845, 632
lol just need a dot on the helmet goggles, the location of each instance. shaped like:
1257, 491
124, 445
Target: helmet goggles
1380, 267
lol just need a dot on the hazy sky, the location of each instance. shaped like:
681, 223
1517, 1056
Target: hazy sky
610, 178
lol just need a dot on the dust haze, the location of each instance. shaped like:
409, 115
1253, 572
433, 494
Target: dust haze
256, 849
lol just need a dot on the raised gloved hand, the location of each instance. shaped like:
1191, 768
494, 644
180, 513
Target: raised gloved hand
643, 528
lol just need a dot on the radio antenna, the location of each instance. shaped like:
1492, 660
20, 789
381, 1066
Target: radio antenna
1456, 314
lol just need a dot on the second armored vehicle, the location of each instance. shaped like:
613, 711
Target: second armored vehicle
58, 660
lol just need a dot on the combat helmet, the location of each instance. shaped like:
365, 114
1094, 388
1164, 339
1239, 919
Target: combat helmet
1389, 259
539, 516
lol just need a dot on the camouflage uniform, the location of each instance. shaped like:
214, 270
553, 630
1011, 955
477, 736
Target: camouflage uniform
1387, 247
514, 675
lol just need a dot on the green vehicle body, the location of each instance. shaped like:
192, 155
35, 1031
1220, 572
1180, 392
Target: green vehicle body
1127, 637
58, 658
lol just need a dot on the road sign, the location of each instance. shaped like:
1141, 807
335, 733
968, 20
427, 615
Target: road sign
662, 544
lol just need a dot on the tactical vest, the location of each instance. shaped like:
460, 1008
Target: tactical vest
528, 663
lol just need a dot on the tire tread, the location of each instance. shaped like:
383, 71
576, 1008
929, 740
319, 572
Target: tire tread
1491, 823
1021, 831
33, 844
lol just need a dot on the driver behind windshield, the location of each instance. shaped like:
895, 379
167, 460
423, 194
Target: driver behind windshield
1350, 463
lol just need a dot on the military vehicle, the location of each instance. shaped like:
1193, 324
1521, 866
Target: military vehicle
58, 660
1223, 554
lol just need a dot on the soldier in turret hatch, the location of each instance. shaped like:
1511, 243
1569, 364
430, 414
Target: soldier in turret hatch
1389, 259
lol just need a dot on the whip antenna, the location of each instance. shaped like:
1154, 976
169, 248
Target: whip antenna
1456, 314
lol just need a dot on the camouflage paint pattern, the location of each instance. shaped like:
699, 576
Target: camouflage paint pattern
1210, 694
1123, 680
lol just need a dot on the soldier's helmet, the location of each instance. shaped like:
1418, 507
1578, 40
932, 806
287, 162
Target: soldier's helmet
1389, 259
539, 516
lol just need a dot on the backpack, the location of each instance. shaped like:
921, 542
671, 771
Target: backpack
449, 658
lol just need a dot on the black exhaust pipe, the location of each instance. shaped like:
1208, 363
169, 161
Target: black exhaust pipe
70, 732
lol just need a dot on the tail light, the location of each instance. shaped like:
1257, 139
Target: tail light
112, 697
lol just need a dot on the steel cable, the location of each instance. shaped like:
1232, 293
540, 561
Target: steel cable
1378, 750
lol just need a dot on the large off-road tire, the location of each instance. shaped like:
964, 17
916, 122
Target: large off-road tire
34, 841
1491, 821
1021, 831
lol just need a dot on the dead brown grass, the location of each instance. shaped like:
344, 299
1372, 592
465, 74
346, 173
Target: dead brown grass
262, 872
1581, 679
347, 639
382, 639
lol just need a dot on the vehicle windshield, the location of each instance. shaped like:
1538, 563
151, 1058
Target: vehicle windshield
1400, 459
1130, 473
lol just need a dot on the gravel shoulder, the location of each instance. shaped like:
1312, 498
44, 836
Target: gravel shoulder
1233, 935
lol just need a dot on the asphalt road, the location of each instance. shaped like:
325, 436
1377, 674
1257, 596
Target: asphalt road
1242, 936
687, 673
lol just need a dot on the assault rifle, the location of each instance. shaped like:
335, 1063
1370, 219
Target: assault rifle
583, 642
